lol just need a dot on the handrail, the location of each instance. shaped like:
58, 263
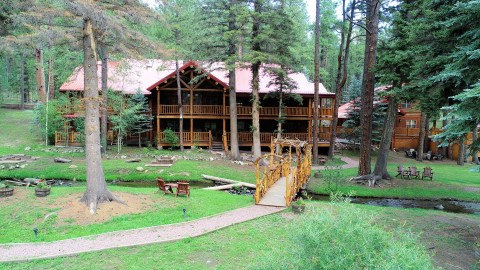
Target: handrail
271, 174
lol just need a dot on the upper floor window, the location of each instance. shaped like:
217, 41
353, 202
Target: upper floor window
411, 123
406, 104
326, 103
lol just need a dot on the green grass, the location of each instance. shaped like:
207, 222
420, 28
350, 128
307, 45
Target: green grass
17, 129
21, 218
241, 246
450, 181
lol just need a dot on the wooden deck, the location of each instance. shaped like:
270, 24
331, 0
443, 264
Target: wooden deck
275, 195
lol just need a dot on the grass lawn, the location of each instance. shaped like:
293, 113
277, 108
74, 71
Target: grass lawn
450, 181
242, 245
23, 211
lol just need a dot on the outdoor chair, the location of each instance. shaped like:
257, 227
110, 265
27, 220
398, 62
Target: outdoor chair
401, 171
413, 172
163, 187
183, 189
427, 173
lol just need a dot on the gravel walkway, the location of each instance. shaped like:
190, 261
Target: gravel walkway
150, 235
351, 163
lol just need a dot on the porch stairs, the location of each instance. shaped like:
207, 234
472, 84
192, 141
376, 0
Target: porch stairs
217, 146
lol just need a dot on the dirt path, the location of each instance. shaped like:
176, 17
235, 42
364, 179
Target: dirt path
150, 235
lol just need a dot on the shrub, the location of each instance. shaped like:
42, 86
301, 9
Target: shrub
342, 236
170, 138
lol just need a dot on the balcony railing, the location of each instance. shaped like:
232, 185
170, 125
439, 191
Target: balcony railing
266, 137
241, 110
68, 138
189, 138
411, 132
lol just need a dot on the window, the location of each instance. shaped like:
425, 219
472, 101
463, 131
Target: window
411, 123
406, 104
326, 103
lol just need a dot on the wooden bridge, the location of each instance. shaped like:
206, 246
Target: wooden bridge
282, 176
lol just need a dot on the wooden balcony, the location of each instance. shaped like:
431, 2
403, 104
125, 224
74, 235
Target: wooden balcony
68, 138
189, 138
196, 110
246, 138
408, 132
78, 110
241, 111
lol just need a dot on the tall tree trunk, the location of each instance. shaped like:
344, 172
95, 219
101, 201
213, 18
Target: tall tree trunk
382, 157
97, 191
232, 94
427, 133
341, 73
445, 123
421, 137
279, 121
461, 151
40, 74
180, 105
51, 81
22, 82
368, 85
257, 152
316, 81
475, 143
104, 113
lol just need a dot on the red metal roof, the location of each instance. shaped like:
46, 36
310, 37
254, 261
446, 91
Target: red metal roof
130, 76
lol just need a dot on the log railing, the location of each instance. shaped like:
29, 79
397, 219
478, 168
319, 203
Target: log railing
265, 137
189, 138
281, 166
67, 138
270, 175
197, 109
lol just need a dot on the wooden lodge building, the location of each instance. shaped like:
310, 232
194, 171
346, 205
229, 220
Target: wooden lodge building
205, 97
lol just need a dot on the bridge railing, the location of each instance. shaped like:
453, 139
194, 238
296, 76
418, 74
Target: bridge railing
270, 174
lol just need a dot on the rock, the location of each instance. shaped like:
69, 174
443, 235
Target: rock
123, 157
134, 160
2, 167
439, 207
72, 166
22, 166
28, 148
140, 169
62, 160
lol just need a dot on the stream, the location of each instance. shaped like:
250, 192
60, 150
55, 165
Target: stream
452, 206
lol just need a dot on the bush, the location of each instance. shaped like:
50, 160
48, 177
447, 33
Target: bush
344, 237
170, 138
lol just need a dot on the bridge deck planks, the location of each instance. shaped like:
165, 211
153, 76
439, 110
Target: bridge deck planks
275, 195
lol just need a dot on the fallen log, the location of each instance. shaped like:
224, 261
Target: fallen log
133, 160
8, 161
228, 181
223, 187
62, 160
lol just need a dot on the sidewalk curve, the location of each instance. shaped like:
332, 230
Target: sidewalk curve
134, 237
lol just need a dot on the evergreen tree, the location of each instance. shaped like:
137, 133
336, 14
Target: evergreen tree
143, 119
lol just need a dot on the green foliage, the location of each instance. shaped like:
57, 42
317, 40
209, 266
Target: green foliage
127, 114
55, 120
42, 184
333, 178
344, 237
3, 185
171, 138
299, 201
